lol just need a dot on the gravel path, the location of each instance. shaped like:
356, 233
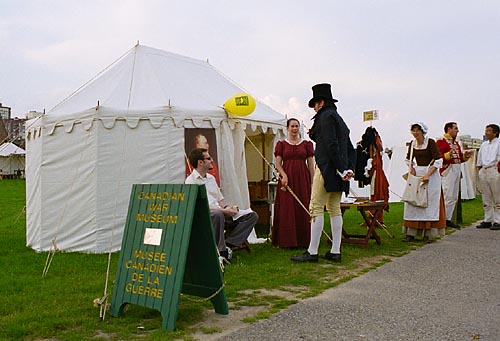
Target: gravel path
447, 290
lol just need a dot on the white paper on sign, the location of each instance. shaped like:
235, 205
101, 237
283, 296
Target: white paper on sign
152, 236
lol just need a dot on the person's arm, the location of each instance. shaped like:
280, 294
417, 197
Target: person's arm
351, 156
428, 174
479, 164
333, 129
435, 165
310, 166
330, 135
227, 210
438, 160
409, 155
444, 149
411, 169
279, 167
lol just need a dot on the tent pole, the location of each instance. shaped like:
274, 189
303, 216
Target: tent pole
264, 170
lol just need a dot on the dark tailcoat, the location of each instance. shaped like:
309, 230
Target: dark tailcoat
334, 151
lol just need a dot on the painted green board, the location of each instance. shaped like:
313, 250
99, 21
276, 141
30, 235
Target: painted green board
168, 247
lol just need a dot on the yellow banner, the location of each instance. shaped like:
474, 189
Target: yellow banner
371, 115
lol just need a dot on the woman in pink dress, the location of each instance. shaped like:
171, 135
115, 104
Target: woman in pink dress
294, 161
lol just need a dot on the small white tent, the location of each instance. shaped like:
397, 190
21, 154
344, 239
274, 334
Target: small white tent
397, 167
11, 159
127, 126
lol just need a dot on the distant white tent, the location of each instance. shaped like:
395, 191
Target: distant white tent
397, 167
12, 159
468, 180
127, 126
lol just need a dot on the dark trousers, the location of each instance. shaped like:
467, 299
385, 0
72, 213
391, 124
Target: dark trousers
241, 231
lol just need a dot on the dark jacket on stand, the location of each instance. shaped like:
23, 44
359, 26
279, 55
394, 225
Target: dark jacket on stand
334, 151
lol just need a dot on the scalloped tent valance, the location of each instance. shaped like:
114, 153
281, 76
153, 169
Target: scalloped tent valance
155, 121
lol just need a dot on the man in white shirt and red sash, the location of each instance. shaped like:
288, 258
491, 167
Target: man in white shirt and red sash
452, 155
488, 166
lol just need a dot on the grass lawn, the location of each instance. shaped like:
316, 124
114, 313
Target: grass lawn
60, 305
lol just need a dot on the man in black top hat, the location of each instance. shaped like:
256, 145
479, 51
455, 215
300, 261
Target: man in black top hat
335, 157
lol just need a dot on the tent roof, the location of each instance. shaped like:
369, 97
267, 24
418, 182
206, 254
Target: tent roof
146, 80
8, 148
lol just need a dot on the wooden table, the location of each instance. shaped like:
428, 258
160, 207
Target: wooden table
370, 219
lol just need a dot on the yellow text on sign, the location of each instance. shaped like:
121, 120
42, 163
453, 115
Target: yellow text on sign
148, 266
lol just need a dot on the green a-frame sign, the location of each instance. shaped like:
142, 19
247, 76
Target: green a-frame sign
168, 247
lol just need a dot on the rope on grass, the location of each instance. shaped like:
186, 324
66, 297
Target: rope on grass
205, 298
101, 303
50, 257
23, 210
104, 299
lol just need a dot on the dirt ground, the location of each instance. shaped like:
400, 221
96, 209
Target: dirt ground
221, 325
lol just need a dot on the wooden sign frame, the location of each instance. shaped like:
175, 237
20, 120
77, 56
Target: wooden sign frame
168, 247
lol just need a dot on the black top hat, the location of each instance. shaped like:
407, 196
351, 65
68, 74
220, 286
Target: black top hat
321, 91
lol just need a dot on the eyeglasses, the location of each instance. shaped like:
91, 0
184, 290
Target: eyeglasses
207, 158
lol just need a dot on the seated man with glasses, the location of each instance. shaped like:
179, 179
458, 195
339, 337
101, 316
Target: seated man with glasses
201, 161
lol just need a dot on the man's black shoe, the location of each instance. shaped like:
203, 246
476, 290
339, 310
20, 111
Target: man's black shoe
305, 257
495, 227
451, 224
334, 257
225, 256
484, 225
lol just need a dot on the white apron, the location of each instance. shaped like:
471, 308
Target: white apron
450, 180
431, 212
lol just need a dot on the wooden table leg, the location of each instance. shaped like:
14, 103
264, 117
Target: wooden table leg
370, 223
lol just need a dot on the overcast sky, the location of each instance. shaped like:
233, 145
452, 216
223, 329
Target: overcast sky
434, 61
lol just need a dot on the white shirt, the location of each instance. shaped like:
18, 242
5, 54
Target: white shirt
489, 153
213, 192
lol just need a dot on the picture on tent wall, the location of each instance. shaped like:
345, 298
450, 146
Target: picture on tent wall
202, 138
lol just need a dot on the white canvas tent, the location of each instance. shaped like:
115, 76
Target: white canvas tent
126, 126
12, 159
396, 168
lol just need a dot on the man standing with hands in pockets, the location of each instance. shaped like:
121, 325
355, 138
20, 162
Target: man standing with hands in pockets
488, 166
334, 156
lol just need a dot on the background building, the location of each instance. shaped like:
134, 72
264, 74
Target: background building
11, 129
5, 112
470, 142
